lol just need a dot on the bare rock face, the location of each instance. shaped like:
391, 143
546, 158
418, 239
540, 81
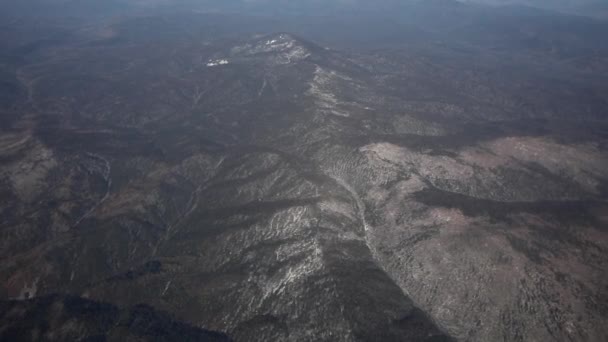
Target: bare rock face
191, 176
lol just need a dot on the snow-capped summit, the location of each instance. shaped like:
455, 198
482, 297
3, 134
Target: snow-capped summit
285, 48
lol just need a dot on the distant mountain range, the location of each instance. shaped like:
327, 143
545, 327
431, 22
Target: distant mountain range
596, 8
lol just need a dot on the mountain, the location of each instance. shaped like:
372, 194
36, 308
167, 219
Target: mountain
270, 180
200, 216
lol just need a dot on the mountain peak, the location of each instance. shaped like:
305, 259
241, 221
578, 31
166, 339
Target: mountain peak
282, 48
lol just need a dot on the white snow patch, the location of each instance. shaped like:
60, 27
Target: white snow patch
216, 62
166, 288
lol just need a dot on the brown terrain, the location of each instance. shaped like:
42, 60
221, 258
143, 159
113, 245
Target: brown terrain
187, 176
